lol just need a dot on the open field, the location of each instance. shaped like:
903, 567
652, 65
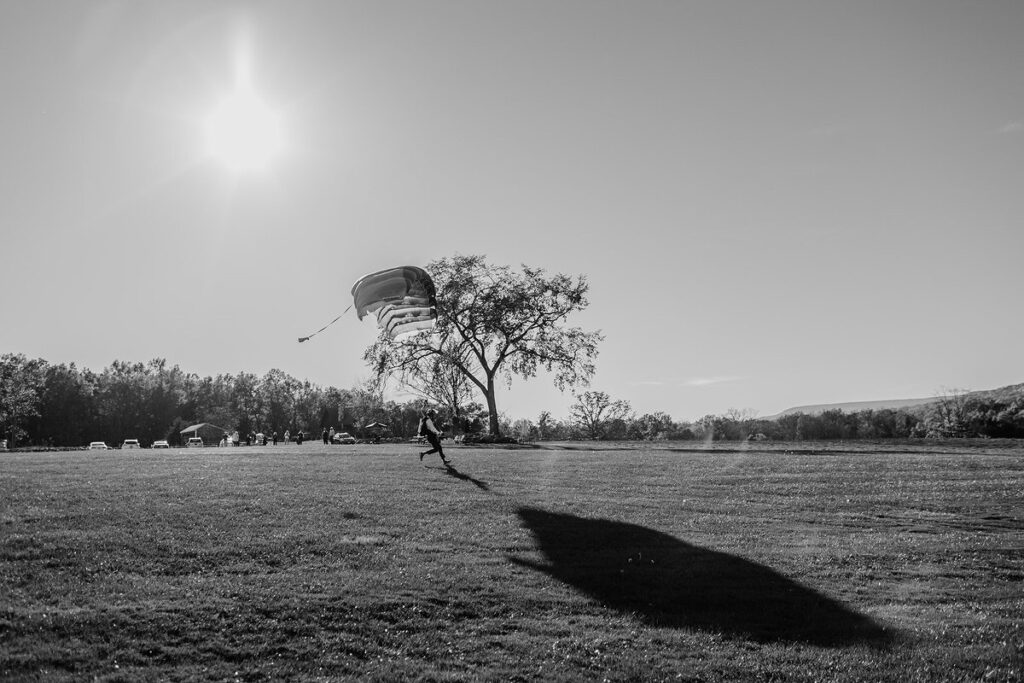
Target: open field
317, 563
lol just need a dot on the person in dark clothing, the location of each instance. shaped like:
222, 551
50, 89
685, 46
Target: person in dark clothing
323, 435
433, 434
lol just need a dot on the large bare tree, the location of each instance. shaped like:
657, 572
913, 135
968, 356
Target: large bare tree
494, 323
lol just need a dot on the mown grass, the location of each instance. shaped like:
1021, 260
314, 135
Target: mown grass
320, 563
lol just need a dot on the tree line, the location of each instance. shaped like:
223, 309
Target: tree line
61, 405
955, 414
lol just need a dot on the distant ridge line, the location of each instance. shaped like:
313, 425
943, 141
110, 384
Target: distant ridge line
1008, 393
855, 406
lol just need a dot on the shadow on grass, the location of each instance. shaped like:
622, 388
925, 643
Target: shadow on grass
667, 582
450, 470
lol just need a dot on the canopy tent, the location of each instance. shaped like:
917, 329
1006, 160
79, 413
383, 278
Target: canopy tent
376, 430
210, 433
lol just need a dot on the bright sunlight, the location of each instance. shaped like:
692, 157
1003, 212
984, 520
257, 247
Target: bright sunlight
243, 132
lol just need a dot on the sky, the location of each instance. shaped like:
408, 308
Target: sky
775, 203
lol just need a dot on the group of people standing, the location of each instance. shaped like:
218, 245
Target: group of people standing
260, 439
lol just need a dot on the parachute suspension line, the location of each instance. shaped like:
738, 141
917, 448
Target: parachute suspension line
302, 339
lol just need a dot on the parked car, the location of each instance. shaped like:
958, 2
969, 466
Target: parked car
194, 442
343, 437
161, 444
131, 443
97, 446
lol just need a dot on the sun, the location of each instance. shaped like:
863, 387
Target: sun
243, 132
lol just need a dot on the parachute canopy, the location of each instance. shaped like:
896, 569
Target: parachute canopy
403, 299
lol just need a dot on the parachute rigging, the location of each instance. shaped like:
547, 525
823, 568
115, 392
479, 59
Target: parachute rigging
403, 298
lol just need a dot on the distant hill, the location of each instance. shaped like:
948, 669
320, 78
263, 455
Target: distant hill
1006, 393
854, 407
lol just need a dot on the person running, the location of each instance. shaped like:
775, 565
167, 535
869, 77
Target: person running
433, 434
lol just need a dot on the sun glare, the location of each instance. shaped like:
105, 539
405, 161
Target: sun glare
243, 132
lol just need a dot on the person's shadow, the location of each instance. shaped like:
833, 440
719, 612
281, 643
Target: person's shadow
667, 582
450, 470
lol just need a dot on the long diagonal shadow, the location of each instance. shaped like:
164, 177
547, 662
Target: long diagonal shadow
450, 470
668, 582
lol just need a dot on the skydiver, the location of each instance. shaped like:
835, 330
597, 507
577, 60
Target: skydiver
433, 435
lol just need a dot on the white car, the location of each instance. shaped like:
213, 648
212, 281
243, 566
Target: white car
97, 446
343, 437
131, 443
194, 442
161, 444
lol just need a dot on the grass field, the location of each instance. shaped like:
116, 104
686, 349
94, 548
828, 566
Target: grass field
578, 563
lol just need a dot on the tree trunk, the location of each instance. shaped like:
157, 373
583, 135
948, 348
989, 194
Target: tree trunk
492, 409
